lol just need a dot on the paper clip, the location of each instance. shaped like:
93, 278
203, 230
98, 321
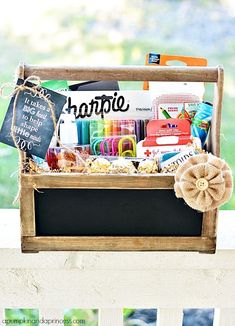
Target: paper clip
128, 152
105, 147
96, 143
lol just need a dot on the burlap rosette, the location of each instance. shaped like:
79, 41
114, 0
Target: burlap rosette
205, 182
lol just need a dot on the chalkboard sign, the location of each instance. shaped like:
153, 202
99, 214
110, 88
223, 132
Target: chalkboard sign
34, 126
114, 212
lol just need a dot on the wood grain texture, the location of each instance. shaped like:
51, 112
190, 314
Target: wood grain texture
209, 223
93, 243
27, 212
137, 73
75, 180
29, 182
216, 118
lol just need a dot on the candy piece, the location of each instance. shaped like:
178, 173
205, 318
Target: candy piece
148, 166
99, 165
122, 166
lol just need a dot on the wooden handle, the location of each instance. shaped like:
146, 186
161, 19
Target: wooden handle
119, 73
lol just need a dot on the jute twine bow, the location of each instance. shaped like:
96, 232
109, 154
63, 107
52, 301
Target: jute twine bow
204, 181
36, 89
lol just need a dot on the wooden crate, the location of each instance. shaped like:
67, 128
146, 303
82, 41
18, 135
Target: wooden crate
32, 185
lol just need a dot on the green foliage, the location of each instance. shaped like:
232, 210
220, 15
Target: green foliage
22, 317
127, 312
85, 317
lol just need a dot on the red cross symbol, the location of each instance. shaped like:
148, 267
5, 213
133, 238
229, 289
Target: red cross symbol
147, 153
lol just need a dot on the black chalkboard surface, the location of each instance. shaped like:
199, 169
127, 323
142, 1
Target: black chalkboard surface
114, 212
34, 126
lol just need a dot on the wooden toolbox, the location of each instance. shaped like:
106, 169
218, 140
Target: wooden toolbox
62, 211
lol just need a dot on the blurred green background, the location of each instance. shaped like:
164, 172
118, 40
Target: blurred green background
33, 317
115, 32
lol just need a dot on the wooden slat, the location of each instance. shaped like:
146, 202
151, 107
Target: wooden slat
110, 317
27, 212
74, 180
226, 317
209, 223
216, 118
137, 73
108, 243
169, 317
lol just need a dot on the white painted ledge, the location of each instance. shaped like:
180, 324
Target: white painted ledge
113, 280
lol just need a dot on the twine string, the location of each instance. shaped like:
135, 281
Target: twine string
36, 89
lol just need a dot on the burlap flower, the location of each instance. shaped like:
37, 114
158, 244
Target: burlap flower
205, 182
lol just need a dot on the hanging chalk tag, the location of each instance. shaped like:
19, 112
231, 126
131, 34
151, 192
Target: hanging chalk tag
34, 127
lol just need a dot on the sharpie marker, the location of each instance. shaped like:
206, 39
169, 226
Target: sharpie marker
107, 128
116, 128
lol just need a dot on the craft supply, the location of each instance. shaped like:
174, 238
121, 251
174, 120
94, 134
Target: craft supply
165, 113
145, 128
138, 130
173, 105
201, 121
96, 129
68, 129
127, 127
113, 146
179, 158
122, 166
204, 181
167, 156
192, 109
130, 151
107, 128
85, 132
159, 88
116, 130
141, 129
148, 166
171, 135
56, 85
101, 85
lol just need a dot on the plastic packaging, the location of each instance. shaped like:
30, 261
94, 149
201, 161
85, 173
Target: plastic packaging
201, 121
68, 129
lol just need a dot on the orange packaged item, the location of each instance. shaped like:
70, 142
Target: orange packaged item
152, 59
163, 136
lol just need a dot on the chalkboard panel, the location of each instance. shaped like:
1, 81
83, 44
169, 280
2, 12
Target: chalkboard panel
114, 212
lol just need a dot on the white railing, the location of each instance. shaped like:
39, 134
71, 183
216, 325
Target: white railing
109, 281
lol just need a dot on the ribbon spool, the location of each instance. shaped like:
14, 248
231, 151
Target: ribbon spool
204, 181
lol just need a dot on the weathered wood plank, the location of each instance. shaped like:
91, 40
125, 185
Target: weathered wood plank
216, 118
137, 73
74, 180
108, 243
27, 212
209, 223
